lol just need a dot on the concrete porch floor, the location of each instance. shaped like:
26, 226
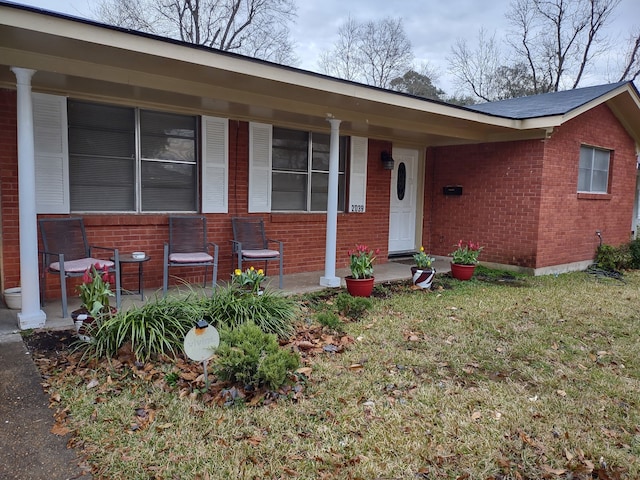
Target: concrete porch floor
295, 283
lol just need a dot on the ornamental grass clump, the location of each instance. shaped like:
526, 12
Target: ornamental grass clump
361, 261
466, 253
271, 311
156, 328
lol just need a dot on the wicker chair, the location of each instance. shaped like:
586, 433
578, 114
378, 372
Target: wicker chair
188, 247
67, 253
250, 243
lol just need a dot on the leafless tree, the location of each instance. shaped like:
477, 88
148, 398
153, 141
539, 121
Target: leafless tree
343, 60
373, 52
631, 69
551, 46
477, 68
258, 28
558, 39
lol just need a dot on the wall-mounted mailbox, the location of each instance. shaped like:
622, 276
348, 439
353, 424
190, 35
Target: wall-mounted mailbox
452, 190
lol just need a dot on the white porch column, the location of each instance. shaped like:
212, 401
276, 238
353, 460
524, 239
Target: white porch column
329, 279
31, 315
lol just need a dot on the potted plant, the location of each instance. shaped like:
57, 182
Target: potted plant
464, 259
249, 280
360, 282
94, 292
422, 274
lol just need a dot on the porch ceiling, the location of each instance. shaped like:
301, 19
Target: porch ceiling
87, 60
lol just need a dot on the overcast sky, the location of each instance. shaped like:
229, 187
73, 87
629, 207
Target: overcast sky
431, 25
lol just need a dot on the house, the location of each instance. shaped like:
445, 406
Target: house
124, 128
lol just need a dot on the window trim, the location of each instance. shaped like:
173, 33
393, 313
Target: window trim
593, 149
139, 159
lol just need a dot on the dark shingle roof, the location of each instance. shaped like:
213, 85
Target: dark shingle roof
547, 104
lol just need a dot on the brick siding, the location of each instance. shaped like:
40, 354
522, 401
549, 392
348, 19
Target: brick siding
303, 234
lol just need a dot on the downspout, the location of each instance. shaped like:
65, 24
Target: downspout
31, 315
329, 279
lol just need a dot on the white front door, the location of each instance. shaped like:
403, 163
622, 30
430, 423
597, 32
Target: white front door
404, 199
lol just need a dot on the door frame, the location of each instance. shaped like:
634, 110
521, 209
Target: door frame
419, 195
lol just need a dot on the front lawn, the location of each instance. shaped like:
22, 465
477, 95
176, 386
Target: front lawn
473, 380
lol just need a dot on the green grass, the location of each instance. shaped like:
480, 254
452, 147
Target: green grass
476, 380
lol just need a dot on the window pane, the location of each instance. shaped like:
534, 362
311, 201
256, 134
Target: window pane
584, 180
319, 189
319, 192
320, 152
290, 150
98, 184
101, 130
601, 160
321, 142
593, 174
586, 157
168, 186
599, 182
289, 191
165, 136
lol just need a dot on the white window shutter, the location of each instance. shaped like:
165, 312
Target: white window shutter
51, 153
215, 165
358, 175
260, 137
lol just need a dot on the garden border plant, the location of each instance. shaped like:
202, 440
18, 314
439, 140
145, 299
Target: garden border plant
158, 327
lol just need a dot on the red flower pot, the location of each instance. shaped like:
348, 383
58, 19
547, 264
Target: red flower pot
462, 272
359, 287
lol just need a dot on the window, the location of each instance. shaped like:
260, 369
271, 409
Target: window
127, 160
300, 171
593, 173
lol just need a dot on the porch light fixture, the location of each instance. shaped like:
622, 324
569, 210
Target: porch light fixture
387, 160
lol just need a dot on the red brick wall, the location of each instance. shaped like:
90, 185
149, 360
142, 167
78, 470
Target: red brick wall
499, 205
303, 234
569, 220
520, 199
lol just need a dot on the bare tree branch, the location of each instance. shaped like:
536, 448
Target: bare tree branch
230, 25
632, 65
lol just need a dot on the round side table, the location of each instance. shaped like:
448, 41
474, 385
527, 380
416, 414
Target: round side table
128, 258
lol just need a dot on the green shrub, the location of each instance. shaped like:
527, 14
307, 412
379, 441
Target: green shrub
329, 319
158, 327
352, 307
231, 307
249, 356
613, 258
634, 251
